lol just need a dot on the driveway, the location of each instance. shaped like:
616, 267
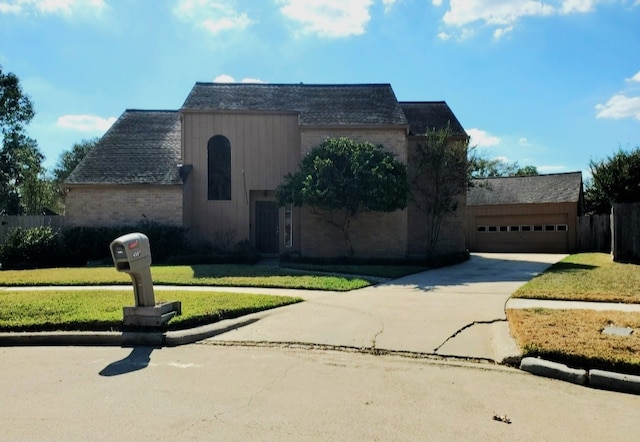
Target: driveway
453, 311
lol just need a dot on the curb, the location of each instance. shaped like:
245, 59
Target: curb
600, 379
122, 339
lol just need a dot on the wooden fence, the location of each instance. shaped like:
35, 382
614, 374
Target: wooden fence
625, 244
594, 233
27, 222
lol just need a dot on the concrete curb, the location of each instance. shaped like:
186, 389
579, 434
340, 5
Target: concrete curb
604, 380
123, 339
554, 370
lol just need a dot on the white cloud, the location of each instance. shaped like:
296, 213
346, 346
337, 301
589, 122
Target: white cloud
328, 18
224, 78
551, 169
504, 14
85, 123
388, 4
524, 141
620, 106
500, 32
214, 16
66, 8
444, 36
482, 138
636, 77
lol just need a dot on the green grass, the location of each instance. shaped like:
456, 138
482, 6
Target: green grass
377, 271
586, 277
226, 275
99, 310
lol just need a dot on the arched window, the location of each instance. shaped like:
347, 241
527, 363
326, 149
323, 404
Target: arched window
219, 168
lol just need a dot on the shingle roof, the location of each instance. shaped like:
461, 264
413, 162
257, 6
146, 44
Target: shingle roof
342, 104
142, 147
429, 115
553, 188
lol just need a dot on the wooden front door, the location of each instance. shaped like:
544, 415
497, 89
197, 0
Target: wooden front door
267, 230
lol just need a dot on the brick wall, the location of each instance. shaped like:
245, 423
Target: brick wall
373, 235
115, 205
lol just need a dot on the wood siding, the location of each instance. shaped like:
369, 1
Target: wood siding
264, 148
504, 217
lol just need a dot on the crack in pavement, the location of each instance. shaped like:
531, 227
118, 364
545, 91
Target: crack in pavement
493, 321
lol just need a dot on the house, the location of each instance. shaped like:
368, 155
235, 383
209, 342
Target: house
213, 166
525, 214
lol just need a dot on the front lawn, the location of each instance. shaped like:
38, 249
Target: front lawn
100, 310
575, 337
586, 277
227, 275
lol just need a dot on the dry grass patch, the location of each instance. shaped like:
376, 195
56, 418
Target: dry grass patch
575, 337
586, 277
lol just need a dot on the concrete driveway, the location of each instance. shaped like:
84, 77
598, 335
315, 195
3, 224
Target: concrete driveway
453, 311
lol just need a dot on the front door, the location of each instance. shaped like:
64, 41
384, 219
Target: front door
267, 227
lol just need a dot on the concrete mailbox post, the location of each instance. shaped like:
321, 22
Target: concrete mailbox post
131, 254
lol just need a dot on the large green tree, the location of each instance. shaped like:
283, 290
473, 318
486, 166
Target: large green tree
20, 159
438, 177
615, 179
70, 159
342, 178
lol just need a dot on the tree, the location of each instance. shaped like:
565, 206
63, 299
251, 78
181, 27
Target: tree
342, 178
614, 180
71, 158
481, 166
20, 159
438, 176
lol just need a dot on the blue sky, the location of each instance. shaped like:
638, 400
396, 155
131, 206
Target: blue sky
551, 83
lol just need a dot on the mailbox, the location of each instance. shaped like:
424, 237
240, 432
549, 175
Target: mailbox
131, 254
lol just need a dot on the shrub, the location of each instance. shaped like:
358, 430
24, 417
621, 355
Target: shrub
29, 248
77, 246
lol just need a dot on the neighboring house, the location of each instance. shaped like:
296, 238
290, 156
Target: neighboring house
525, 214
214, 165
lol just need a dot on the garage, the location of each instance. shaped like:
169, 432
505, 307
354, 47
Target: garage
532, 214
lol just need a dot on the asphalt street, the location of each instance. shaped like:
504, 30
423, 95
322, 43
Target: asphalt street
236, 393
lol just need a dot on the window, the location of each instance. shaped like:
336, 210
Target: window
525, 228
493, 229
561, 228
537, 228
288, 226
550, 228
482, 228
514, 228
219, 168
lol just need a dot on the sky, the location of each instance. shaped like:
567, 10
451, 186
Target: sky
553, 84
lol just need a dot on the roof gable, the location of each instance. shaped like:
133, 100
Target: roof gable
321, 105
141, 147
535, 189
430, 115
